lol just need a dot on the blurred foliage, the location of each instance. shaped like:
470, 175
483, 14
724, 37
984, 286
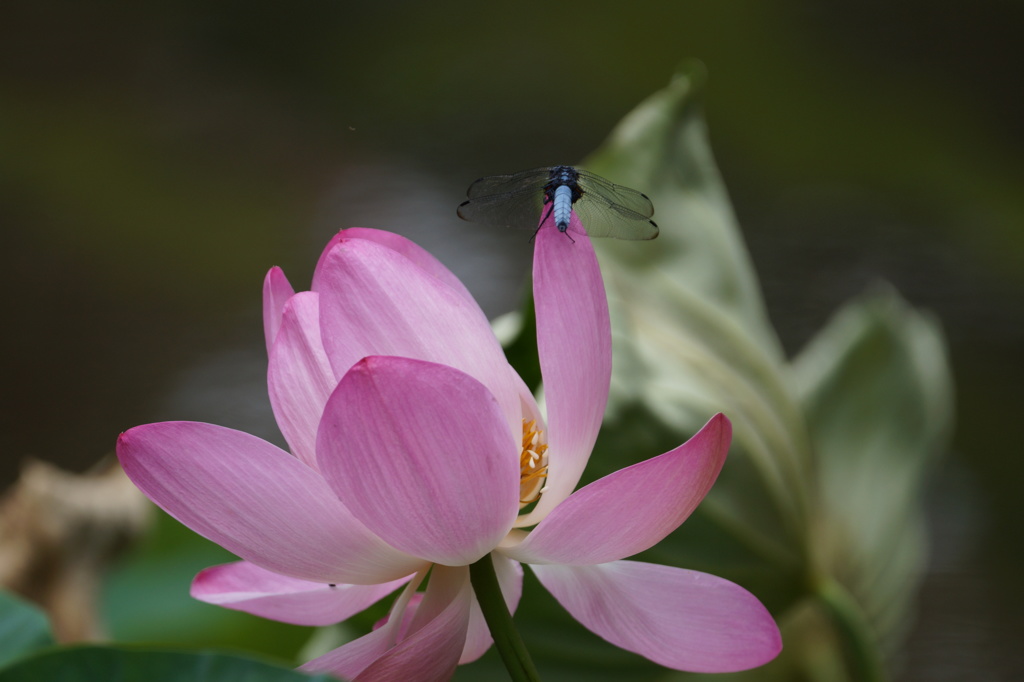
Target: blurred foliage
876, 390
23, 628
91, 663
147, 600
819, 508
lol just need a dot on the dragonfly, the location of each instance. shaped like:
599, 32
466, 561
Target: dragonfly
527, 198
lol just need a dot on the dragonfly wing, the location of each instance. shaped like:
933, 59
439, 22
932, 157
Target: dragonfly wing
603, 218
494, 185
514, 200
629, 199
611, 220
610, 210
519, 209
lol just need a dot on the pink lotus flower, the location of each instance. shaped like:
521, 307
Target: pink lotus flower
416, 447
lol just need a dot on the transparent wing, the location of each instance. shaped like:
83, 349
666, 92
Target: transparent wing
610, 210
629, 199
603, 219
493, 185
514, 200
522, 210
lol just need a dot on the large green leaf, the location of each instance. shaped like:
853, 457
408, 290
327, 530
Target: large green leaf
23, 628
691, 338
92, 663
662, 149
818, 508
876, 388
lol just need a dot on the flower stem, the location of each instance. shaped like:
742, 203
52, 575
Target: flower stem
506, 638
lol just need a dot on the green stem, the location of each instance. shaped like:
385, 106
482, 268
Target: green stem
858, 643
506, 638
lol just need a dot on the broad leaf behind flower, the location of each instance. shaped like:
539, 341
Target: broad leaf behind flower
876, 389
818, 509
692, 337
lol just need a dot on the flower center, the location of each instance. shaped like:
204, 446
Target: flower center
533, 464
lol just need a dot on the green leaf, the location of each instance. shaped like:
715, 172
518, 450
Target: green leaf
91, 663
877, 392
23, 628
691, 338
818, 508
661, 148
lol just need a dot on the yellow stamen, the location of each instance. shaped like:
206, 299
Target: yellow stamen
533, 464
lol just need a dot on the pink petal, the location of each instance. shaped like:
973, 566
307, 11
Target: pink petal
408, 615
415, 253
681, 619
256, 501
276, 292
300, 378
478, 637
247, 587
632, 509
375, 301
575, 346
334, 241
430, 653
422, 455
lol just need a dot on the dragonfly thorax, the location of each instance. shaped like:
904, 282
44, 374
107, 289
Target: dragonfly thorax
562, 191
563, 176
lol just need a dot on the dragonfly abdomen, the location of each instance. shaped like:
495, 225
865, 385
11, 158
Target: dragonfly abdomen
562, 208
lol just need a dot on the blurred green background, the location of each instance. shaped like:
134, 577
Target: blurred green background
156, 159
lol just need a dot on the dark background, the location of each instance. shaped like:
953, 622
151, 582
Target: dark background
157, 158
